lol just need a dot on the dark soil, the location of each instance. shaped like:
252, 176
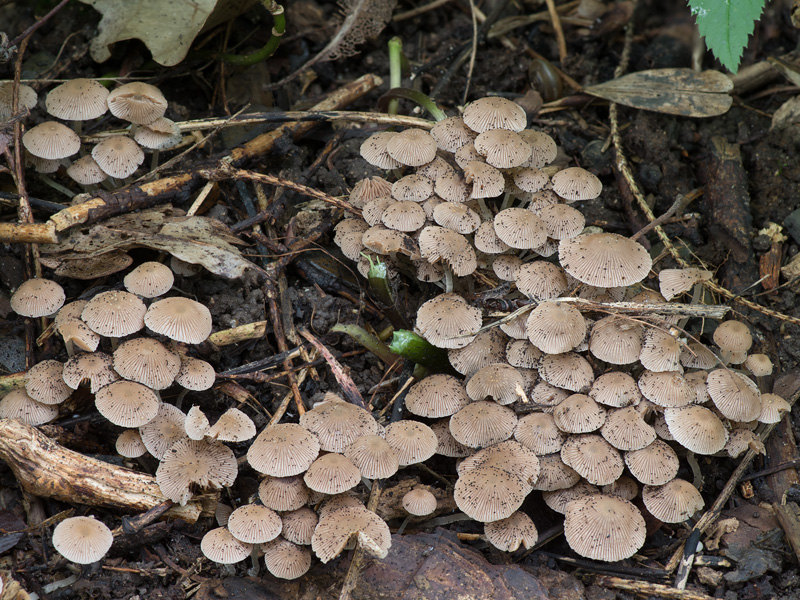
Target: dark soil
669, 156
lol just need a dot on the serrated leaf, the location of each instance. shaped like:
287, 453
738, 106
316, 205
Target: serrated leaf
726, 25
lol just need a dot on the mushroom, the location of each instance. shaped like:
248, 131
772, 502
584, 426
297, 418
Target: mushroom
149, 279
137, 102
419, 502
502, 148
286, 560
97, 368
118, 156
625, 429
254, 524
298, 525
51, 140
127, 403
500, 381
519, 228
735, 395
44, 382
147, 361
488, 494
510, 456
26, 94
494, 113
283, 493
512, 532
86, 171
77, 100
575, 183
446, 443
413, 442
189, 463
412, 147
604, 259
593, 458
129, 444
163, 430
448, 321
482, 423
543, 148
540, 280
579, 414
697, 429
17, 404
555, 327
337, 424
368, 189
336, 529
180, 319
114, 314
558, 500
436, 396
373, 150
332, 474
660, 351
554, 474
569, 371
673, 502
283, 449
667, 389
603, 527
616, 389
37, 298
451, 133
82, 540
539, 433
232, 426
220, 546
373, 456
673, 282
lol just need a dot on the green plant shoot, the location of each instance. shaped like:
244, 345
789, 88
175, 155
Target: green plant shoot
726, 25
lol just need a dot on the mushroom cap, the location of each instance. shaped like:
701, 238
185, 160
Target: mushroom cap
452, 187
149, 279
283, 449
660, 351
86, 171
604, 259
458, 217
298, 525
603, 527
368, 189
82, 540
452, 133
336, 529
562, 221
77, 100
337, 424
555, 327
625, 429
539, 433
494, 113
383, 241
554, 474
575, 183
332, 474
505, 266
412, 147
163, 430
523, 354
44, 382
579, 414
97, 368
673, 502
127, 403
520, 228
413, 442
624, 487
568, 371
118, 155
773, 407
482, 423
616, 340
412, 188
232, 426
436, 396
558, 500
26, 94
593, 458
615, 389
373, 150
439, 243
254, 524
161, 134
759, 365
348, 234
510, 456
137, 102
733, 336
486, 240
179, 319
189, 463
735, 395
220, 546
543, 148
540, 280
435, 169
195, 374
196, 424
284, 493
489, 494
672, 282
655, 464
129, 444
37, 298
114, 314
697, 429
668, 389
372, 213
448, 321
285, 559
486, 180
51, 140
419, 502
529, 179
17, 404
544, 394
500, 381
502, 148
512, 532
373, 456
147, 361
446, 443
403, 216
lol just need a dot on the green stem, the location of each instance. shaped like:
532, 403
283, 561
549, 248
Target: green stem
378, 277
368, 341
278, 29
419, 350
415, 96
395, 71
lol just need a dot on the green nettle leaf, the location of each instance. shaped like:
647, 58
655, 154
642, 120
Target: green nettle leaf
726, 25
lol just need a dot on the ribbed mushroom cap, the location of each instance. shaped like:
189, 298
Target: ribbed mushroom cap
451, 133
412, 147
373, 150
759, 365
437, 396
348, 234
697, 429
489, 494
446, 443
502, 148
180, 319
26, 94
530, 179
698, 356
541, 280
298, 525
51, 140
773, 407
332, 474
419, 502
575, 183
337, 424
137, 102
331, 504
673, 502
373, 456
616, 340
286, 560
568, 371
114, 314
282, 450
509, 456
562, 221
729, 357
543, 148
195, 374
510, 533
593, 458
221, 513
412, 441
436, 169
500, 381
382, 240
77, 100
625, 429
458, 217
733, 336
554, 474
118, 156
220, 546
625, 487
129, 444
82, 540
603, 527
482, 424
555, 327
539, 433
351, 241
505, 267
615, 389
150, 279
697, 381
519, 228
368, 189
147, 361
163, 430
486, 180
673, 282
335, 530
452, 188
741, 440
44, 382
494, 113
196, 423
404, 216
18, 405
127, 403
232, 426
161, 134
97, 368
604, 259
668, 389
734, 395
448, 321
523, 354
254, 524
486, 240
660, 351
86, 171
579, 414
189, 463
37, 298
487, 348
412, 188
283, 493
558, 500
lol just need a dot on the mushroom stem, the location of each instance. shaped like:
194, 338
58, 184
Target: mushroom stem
179, 399
56, 186
448, 279
254, 571
507, 200
485, 212
154, 160
70, 348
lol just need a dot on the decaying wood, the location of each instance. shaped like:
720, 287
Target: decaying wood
645, 588
46, 469
787, 517
349, 389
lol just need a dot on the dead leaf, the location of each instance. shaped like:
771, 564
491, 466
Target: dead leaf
672, 91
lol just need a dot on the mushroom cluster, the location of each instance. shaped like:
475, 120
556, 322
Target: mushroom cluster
592, 408
49, 145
